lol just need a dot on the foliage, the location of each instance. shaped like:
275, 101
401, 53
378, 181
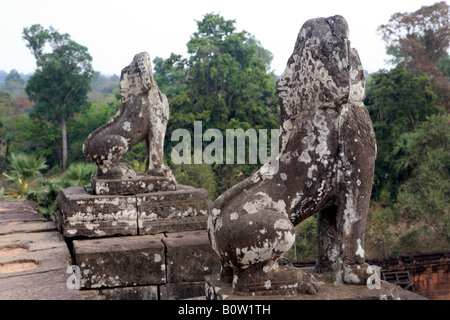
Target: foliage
36, 137
61, 81
420, 41
224, 83
381, 232
198, 176
14, 84
103, 87
25, 174
305, 245
82, 124
423, 200
398, 101
26, 166
26, 181
170, 74
14, 76
80, 173
418, 219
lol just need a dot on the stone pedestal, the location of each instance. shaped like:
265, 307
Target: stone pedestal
140, 184
144, 246
88, 215
218, 290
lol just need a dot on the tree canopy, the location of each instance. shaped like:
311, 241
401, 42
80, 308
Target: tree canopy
420, 40
224, 82
62, 79
409, 109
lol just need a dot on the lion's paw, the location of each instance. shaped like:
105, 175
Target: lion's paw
357, 273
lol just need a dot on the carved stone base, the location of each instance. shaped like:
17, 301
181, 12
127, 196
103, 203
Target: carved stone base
140, 184
87, 215
218, 290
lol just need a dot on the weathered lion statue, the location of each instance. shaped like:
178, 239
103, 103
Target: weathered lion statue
142, 116
326, 159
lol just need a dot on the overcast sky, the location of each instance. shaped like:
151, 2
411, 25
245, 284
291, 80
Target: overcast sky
114, 31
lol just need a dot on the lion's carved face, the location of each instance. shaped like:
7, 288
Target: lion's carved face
136, 78
323, 71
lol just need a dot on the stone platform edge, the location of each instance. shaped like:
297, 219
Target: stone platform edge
218, 290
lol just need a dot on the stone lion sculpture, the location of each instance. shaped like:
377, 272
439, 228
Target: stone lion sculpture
142, 116
326, 159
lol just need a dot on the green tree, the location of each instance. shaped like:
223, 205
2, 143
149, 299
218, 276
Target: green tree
33, 136
398, 101
62, 79
420, 41
14, 76
14, 84
170, 74
423, 200
382, 236
82, 124
305, 245
198, 176
224, 82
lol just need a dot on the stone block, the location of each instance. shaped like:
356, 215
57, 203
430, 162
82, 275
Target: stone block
22, 217
125, 293
86, 215
120, 261
27, 227
82, 214
34, 257
19, 211
29, 253
185, 209
140, 184
51, 285
182, 290
190, 257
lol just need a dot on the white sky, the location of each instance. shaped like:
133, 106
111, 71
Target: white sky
114, 31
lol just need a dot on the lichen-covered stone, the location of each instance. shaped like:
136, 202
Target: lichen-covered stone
140, 184
88, 215
122, 293
325, 165
120, 261
189, 257
182, 290
185, 209
215, 289
85, 215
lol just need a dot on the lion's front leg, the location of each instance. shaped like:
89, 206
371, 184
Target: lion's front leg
155, 140
351, 267
356, 161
